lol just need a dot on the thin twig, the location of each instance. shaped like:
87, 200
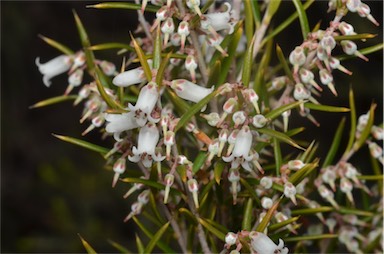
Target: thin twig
143, 22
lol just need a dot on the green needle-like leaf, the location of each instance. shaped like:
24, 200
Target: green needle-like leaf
335, 144
199, 161
299, 175
100, 78
112, 45
160, 71
353, 122
284, 63
156, 238
194, 109
310, 237
354, 37
364, 51
83, 143
53, 100
139, 244
248, 63
119, 247
150, 183
278, 111
256, 12
278, 156
214, 73
279, 225
247, 218
249, 22
218, 170
280, 136
367, 130
267, 218
86, 245
212, 229
371, 177
302, 17
143, 59
326, 108
123, 5
273, 6
57, 45
157, 49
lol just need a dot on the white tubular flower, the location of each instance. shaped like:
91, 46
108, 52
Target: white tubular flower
250, 95
108, 68
144, 197
223, 137
308, 77
300, 93
54, 67
214, 41
118, 168
128, 78
218, 21
266, 202
213, 150
262, 244
146, 102
190, 91
183, 31
147, 141
241, 153
74, 80
290, 192
328, 43
97, 121
364, 11
297, 58
334, 63
118, 123
167, 28
169, 141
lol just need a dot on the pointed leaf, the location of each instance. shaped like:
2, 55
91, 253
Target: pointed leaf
99, 77
150, 183
119, 247
256, 12
248, 63
143, 59
180, 105
353, 122
247, 218
284, 63
123, 5
307, 211
371, 177
83, 143
160, 71
278, 111
250, 189
57, 45
325, 108
367, 130
53, 100
267, 218
278, 157
164, 247
86, 245
139, 244
157, 50
302, 17
194, 109
214, 73
218, 170
212, 229
335, 144
156, 238
199, 161
299, 175
189, 215
305, 155
364, 51
273, 6
279, 225
354, 37
249, 22
111, 45
280, 136
310, 237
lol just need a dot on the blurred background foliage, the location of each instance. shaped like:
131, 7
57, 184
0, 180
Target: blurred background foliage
51, 190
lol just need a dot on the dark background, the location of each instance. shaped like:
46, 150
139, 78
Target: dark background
51, 190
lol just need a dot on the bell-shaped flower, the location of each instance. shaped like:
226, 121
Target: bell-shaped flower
218, 21
241, 153
261, 243
146, 102
290, 191
128, 78
350, 48
74, 80
108, 68
167, 29
190, 91
54, 67
118, 168
147, 141
118, 123
326, 78
191, 65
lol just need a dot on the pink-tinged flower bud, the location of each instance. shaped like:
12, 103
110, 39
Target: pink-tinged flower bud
135, 210
326, 78
191, 65
54, 67
135, 187
212, 118
259, 121
108, 68
295, 164
213, 150
346, 29
169, 141
327, 195
234, 178
194, 5
168, 179
223, 137
350, 48
297, 58
230, 239
217, 21
377, 132
301, 93
190, 91
143, 197
128, 78
183, 160
308, 77
118, 168
376, 151
118, 123
266, 182
232, 140
239, 118
328, 43
214, 41
84, 92
266, 202
193, 187
161, 15
167, 29
261, 243
78, 61
331, 223
278, 83
74, 80
183, 31
97, 122
352, 5
329, 176
230, 105
290, 191
175, 41
250, 95
285, 116
365, 12
334, 63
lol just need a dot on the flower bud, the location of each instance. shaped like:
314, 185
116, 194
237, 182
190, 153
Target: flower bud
183, 31
297, 58
230, 239
212, 118
108, 68
346, 29
118, 168
143, 197
350, 48
295, 164
278, 83
266, 182
193, 187
328, 43
239, 118
259, 121
168, 179
266, 202
191, 65
290, 191
377, 132
250, 95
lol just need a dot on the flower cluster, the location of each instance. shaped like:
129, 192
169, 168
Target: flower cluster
205, 138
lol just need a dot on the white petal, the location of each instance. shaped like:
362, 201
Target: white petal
131, 77
147, 98
243, 143
148, 138
120, 122
190, 91
54, 67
